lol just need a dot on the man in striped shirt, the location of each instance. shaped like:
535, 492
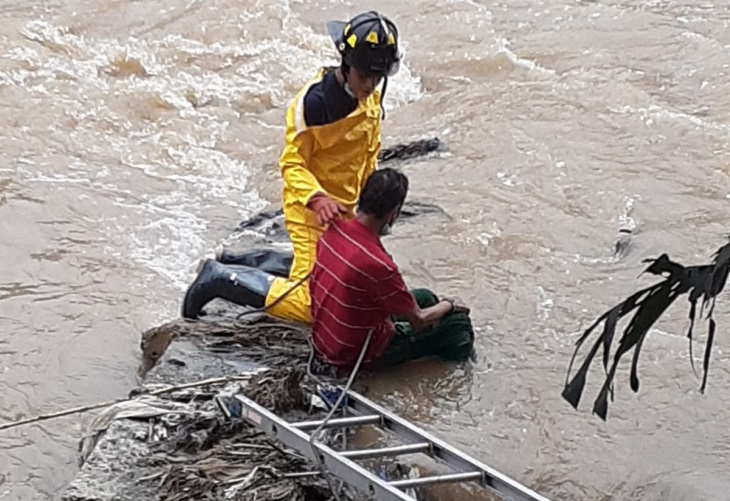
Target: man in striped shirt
356, 288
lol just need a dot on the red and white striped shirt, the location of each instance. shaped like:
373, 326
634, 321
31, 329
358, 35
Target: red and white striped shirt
355, 286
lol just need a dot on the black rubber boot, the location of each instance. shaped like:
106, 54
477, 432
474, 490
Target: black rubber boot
238, 284
275, 262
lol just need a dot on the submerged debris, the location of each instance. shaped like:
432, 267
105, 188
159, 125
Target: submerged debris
180, 447
280, 395
211, 459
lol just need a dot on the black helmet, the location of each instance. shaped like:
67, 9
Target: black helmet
368, 43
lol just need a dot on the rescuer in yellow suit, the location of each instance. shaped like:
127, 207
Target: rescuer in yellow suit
332, 145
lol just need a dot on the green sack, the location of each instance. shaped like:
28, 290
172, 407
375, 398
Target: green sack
451, 338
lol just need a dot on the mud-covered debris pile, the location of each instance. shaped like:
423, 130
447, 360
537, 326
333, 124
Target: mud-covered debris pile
181, 446
269, 343
210, 458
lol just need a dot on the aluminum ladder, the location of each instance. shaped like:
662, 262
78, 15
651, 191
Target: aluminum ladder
340, 464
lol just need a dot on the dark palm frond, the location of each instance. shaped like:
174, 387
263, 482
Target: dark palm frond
703, 283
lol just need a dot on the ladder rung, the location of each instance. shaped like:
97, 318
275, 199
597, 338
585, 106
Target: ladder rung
387, 451
339, 422
440, 479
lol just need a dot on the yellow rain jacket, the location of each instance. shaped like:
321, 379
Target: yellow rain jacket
335, 159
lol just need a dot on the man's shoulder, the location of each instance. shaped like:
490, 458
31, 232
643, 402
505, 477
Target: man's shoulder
372, 251
368, 254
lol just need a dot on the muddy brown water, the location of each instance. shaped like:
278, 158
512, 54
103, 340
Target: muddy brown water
135, 135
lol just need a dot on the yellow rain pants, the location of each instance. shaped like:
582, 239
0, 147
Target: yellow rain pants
335, 159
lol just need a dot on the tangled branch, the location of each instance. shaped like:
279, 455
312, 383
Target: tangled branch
702, 283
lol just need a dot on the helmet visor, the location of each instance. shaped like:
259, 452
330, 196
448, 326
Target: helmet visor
335, 29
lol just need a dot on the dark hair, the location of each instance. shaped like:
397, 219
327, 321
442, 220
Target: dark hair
385, 190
